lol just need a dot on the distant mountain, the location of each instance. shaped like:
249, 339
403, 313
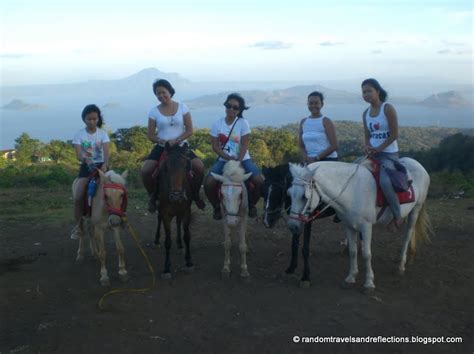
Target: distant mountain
296, 95
449, 99
137, 84
20, 105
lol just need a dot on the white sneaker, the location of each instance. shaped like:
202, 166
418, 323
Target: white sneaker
75, 233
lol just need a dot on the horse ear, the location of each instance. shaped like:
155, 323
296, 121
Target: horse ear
217, 177
125, 174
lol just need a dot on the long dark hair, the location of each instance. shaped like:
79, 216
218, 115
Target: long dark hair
91, 108
375, 84
240, 99
163, 83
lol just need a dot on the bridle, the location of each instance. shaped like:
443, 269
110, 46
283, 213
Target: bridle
239, 185
123, 207
305, 217
176, 194
279, 208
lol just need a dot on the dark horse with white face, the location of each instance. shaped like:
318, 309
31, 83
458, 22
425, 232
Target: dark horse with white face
276, 199
175, 199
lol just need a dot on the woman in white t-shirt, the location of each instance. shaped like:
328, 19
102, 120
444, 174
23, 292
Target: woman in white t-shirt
234, 147
381, 133
317, 135
91, 145
169, 122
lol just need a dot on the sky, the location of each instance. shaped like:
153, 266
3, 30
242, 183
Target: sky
57, 41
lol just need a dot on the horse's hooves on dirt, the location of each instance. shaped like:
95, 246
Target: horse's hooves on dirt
245, 274
368, 291
225, 274
305, 284
165, 276
189, 269
124, 278
105, 282
346, 285
80, 260
400, 272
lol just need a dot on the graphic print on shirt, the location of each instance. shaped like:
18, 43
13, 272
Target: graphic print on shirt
92, 150
374, 131
233, 145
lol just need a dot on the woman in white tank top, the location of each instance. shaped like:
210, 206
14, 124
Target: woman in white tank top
381, 133
317, 135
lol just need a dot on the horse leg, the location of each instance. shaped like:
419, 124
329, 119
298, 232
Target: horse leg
187, 240
409, 238
354, 268
104, 277
367, 255
305, 280
243, 248
295, 241
227, 246
123, 275
179, 240
158, 229
167, 270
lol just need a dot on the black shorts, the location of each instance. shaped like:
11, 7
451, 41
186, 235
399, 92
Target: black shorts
84, 169
329, 159
156, 152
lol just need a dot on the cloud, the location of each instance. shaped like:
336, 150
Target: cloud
377, 51
454, 44
271, 45
14, 55
330, 44
444, 51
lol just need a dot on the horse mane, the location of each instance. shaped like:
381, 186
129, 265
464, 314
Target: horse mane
115, 177
300, 171
233, 171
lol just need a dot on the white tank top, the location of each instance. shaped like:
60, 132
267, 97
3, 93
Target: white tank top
379, 130
314, 137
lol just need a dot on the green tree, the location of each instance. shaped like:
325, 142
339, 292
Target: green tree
27, 148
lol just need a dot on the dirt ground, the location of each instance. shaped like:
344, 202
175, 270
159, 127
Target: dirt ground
48, 303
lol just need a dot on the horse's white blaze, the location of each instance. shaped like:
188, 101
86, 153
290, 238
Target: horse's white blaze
351, 190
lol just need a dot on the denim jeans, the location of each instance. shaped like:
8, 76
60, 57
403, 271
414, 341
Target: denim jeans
386, 160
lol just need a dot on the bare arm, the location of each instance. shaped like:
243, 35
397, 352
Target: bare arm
151, 131
106, 157
367, 146
78, 151
300, 141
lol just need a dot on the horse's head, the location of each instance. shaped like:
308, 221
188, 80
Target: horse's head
115, 196
174, 175
304, 197
275, 198
232, 192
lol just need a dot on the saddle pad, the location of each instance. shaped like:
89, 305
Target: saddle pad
407, 196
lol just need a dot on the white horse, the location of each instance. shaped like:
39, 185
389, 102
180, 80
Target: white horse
107, 211
351, 190
234, 207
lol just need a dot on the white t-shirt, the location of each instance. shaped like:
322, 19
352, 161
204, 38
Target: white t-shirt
169, 127
220, 130
379, 130
92, 145
314, 137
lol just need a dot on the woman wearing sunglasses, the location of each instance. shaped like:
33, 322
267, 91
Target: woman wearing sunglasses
230, 140
169, 122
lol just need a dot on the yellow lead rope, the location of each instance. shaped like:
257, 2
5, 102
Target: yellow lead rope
150, 267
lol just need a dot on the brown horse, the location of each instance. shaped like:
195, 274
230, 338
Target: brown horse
107, 211
175, 200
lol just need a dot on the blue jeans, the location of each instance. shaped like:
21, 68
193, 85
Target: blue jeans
248, 166
386, 160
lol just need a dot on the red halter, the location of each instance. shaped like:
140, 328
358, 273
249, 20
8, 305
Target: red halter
123, 208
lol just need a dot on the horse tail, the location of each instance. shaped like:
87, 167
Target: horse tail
422, 230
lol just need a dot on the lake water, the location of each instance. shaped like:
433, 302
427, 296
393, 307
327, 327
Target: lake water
61, 119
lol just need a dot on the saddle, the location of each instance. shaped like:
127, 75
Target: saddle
403, 187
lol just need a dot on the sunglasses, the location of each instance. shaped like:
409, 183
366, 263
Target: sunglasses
231, 106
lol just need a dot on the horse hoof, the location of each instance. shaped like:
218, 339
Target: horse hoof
400, 272
245, 274
305, 284
80, 259
346, 285
166, 276
124, 278
105, 282
368, 290
189, 269
225, 274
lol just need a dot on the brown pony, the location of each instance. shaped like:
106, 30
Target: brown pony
175, 200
